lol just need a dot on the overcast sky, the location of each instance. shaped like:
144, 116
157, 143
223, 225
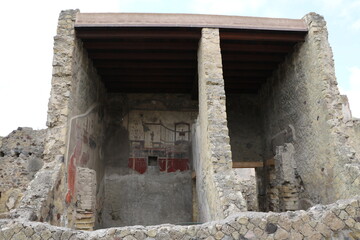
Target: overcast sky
28, 28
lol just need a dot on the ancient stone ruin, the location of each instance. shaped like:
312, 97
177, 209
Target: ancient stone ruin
175, 126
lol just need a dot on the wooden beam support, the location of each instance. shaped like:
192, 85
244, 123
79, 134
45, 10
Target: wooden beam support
252, 57
154, 89
268, 48
280, 36
245, 73
232, 65
146, 64
148, 85
269, 162
145, 72
145, 78
247, 164
142, 45
152, 56
138, 33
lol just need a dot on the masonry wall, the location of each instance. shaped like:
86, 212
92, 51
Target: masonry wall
336, 221
21, 156
85, 141
245, 128
149, 159
301, 105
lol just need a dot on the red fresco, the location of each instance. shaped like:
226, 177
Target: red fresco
72, 171
173, 165
162, 164
138, 164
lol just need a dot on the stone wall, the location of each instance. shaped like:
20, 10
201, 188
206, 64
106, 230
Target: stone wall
21, 156
215, 180
85, 136
335, 221
352, 124
146, 199
245, 129
302, 96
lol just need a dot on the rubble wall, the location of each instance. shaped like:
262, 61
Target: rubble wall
21, 156
301, 105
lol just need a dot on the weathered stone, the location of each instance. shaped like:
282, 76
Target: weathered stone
271, 228
323, 229
333, 222
355, 235
235, 235
28, 231
129, 237
20, 236
284, 223
210, 238
343, 215
219, 235
243, 220
295, 235
258, 232
316, 236
306, 230
152, 233
250, 235
281, 234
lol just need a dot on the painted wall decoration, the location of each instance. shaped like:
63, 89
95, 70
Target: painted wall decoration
160, 139
83, 150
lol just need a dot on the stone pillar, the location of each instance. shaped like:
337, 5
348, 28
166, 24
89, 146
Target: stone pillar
58, 106
215, 177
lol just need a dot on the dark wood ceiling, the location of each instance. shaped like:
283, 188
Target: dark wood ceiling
164, 59
250, 56
144, 60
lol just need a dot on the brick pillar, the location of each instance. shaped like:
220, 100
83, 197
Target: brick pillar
222, 194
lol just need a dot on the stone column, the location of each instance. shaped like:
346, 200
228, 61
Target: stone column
58, 107
215, 177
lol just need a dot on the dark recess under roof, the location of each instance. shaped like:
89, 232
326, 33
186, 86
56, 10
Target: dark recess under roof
164, 59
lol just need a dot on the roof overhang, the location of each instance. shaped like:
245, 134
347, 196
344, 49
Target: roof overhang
187, 20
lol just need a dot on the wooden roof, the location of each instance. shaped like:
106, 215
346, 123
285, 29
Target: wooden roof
158, 52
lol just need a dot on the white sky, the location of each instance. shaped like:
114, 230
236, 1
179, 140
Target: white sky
28, 28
